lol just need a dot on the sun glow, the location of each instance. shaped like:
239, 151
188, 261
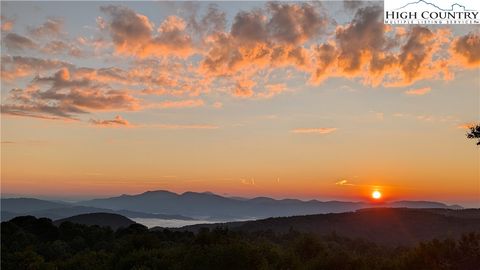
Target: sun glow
376, 195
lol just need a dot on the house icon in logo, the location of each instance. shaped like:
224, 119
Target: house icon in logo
421, 3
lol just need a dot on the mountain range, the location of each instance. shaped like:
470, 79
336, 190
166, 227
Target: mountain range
14, 207
163, 204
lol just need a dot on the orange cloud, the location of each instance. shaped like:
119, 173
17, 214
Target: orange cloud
171, 39
7, 24
189, 103
178, 126
466, 126
343, 183
132, 34
118, 121
243, 88
418, 91
467, 49
261, 39
272, 90
65, 97
326, 56
14, 67
313, 130
367, 49
238, 60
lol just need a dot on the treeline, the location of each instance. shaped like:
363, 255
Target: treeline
31, 243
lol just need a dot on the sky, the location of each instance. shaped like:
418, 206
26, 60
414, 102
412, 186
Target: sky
288, 100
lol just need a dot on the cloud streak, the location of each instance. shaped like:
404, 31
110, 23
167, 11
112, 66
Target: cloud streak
344, 183
118, 121
418, 91
184, 126
176, 104
313, 130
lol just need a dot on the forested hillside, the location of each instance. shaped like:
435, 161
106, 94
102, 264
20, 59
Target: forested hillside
31, 243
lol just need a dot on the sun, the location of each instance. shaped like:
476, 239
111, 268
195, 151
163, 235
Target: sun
376, 195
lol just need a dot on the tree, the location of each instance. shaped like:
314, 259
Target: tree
474, 133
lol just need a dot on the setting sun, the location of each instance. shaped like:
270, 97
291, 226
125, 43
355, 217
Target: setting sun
376, 195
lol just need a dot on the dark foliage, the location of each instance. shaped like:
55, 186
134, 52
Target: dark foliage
474, 133
383, 226
113, 221
31, 243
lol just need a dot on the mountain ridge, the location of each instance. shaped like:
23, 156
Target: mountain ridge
207, 204
63, 210
163, 204
390, 226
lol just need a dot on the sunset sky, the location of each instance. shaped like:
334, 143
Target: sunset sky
299, 100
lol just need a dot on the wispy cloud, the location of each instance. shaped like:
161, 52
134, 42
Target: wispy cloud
344, 183
466, 126
313, 130
245, 181
189, 103
118, 121
182, 126
272, 90
418, 91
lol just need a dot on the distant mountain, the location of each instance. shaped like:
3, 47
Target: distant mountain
191, 205
390, 226
423, 204
209, 205
113, 221
68, 211
24, 205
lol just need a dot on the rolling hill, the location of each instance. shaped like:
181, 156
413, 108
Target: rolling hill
113, 221
389, 226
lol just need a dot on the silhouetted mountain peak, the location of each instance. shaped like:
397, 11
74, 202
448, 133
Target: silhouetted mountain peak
262, 199
113, 221
158, 193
